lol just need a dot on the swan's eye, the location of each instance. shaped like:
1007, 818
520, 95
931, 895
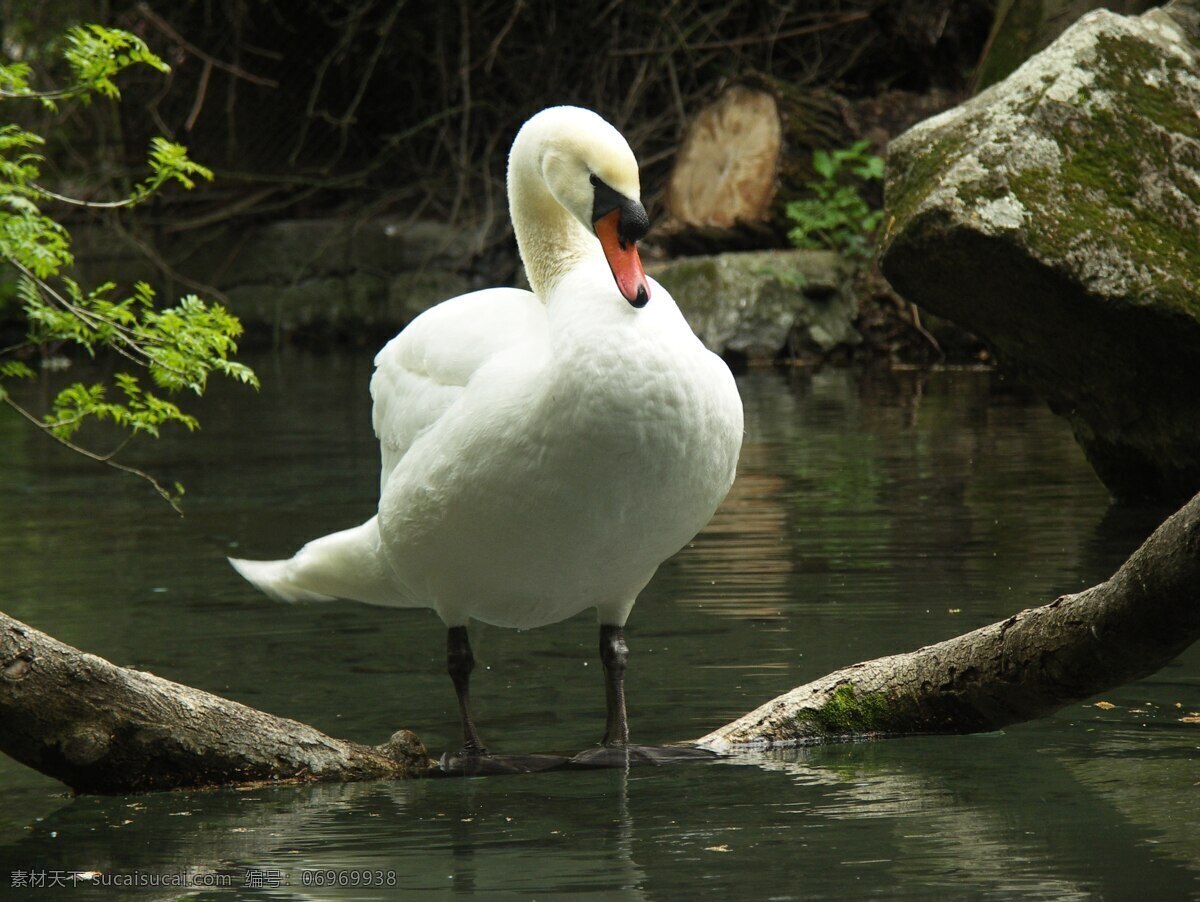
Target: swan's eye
595, 180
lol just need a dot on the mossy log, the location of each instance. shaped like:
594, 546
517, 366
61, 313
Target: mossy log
102, 728
1018, 669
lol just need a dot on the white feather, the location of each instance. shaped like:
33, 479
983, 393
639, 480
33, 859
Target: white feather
542, 452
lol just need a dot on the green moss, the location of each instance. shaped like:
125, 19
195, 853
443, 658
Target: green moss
1126, 60
847, 713
905, 191
1133, 124
1096, 195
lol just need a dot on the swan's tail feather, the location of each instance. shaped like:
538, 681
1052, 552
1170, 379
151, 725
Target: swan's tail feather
273, 578
345, 564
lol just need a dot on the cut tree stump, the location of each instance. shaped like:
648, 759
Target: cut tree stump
749, 152
741, 158
728, 164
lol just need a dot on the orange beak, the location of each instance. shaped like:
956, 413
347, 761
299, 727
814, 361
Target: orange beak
623, 260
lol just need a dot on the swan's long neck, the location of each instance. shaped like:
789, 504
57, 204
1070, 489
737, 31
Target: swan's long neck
551, 241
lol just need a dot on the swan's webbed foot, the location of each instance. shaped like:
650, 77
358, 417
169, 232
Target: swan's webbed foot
615, 750
629, 755
472, 758
466, 761
473, 748
467, 765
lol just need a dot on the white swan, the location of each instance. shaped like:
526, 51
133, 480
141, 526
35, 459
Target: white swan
543, 452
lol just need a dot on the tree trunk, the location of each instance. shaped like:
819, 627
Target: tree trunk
102, 728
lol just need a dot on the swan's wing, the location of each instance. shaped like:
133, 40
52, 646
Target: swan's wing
421, 372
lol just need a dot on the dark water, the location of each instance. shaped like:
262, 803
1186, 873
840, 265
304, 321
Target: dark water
872, 514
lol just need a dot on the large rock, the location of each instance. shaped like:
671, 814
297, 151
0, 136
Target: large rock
373, 276
355, 301
1057, 215
755, 303
289, 251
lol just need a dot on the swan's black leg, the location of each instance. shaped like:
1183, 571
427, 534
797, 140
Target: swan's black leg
459, 663
614, 654
616, 750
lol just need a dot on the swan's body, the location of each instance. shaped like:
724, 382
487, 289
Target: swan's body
542, 452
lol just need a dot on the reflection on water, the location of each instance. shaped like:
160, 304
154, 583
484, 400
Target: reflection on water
873, 513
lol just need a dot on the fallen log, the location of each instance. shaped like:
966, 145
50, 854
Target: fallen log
98, 727
102, 728
1018, 669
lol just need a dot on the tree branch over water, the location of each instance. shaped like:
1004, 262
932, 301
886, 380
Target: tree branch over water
102, 728
1017, 669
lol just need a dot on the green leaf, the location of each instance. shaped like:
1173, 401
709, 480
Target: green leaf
97, 54
869, 169
823, 164
14, 79
837, 216
169, 162
14, 369
179, 346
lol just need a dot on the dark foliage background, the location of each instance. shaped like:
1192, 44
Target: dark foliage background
408, 108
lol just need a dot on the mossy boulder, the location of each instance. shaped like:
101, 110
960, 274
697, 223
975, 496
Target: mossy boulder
759, 303
1057, 216
337, 277
290, 251
356, 300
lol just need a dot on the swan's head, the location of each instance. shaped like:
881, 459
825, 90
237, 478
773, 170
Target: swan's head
591, 171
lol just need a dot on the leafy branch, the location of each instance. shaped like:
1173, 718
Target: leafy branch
178, 346
837, 216
95, 55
